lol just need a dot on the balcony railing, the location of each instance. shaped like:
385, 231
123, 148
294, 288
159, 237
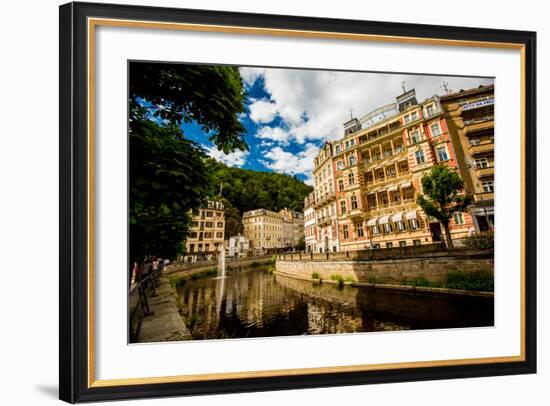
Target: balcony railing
324, 198
481, 148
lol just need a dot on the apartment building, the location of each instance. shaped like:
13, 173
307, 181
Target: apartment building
207, 231
324, 202
310, 229
470, 116
267, 230
377, 170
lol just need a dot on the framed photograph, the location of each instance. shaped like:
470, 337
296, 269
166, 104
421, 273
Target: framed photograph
257, 202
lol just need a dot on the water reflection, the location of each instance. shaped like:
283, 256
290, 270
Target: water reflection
256, 304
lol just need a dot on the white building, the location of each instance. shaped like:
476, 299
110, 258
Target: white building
239, 246
310, 228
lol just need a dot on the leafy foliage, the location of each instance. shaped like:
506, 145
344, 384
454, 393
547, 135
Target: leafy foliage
248, 190
445, 191
479, 281
483, 241
168, 178
212, 96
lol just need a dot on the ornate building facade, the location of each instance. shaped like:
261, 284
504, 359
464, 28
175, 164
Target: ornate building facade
207, 231
377, 169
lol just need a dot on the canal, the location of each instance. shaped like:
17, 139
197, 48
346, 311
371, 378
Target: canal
253, 303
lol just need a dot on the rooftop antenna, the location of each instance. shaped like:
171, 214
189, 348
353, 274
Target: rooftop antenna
351, 113
403, 86
445, 86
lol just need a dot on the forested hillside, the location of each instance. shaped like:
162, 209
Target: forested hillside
244, 190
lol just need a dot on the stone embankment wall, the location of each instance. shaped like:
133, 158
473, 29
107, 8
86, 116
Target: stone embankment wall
230, 264
390, 270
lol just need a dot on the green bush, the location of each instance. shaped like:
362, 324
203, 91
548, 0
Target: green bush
339, 280
350, 279
479, 280
315, 275
482, 241
270, 269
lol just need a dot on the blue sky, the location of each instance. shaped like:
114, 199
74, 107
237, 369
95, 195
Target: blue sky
290, 113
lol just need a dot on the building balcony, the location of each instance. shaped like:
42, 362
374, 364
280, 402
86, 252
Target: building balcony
472, 127
324, 199
484, 148
324, 221
355, 214
485, 172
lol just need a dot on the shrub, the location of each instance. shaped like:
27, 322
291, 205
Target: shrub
479, 280
270, 269
482, 241
339, 280
315, 275
350, 278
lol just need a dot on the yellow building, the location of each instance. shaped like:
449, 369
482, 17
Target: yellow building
267, 230
471, 119
207, 231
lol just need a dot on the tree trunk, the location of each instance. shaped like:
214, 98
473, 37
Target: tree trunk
448, 238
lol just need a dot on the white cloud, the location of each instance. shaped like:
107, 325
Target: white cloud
274, 133
236, 158
313, 105
290, 163
262, 111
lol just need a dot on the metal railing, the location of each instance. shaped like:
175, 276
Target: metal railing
139, 301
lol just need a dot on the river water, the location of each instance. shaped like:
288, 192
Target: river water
253, 303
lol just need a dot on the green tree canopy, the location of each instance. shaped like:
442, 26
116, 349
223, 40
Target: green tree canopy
444, 190
168, 178
212, 96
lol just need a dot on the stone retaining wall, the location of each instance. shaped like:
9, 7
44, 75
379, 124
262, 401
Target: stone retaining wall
394, 271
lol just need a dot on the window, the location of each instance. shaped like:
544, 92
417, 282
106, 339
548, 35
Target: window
414, 116
415, 136
430, 110
395, 197
458, 218
436, 130
389, 245
351, 179
352, 160
352, 142
343, 207
191, 247
400, 226
208, 224
374, 230
208, 235
338, 149
220, 224
442, 154
482, 163
346, 232
372, 201
402, 243
347, 144
340, 165
420, 158
341, 184
354, 202
488, 186
375, 246
359, 229
219, 234
206, 247
195, 224
413, 224
416, 242
209, 214
193, 235
474, 141
387, 228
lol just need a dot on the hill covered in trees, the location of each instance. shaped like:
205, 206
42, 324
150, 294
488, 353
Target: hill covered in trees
244, 190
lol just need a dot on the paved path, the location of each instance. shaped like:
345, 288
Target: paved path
165, 324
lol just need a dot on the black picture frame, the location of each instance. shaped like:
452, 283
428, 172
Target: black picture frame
74, 199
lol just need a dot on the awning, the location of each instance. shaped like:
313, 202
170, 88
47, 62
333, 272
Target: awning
406, 185
372, 222
410, 215
397, 217
392, 188
384, 220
